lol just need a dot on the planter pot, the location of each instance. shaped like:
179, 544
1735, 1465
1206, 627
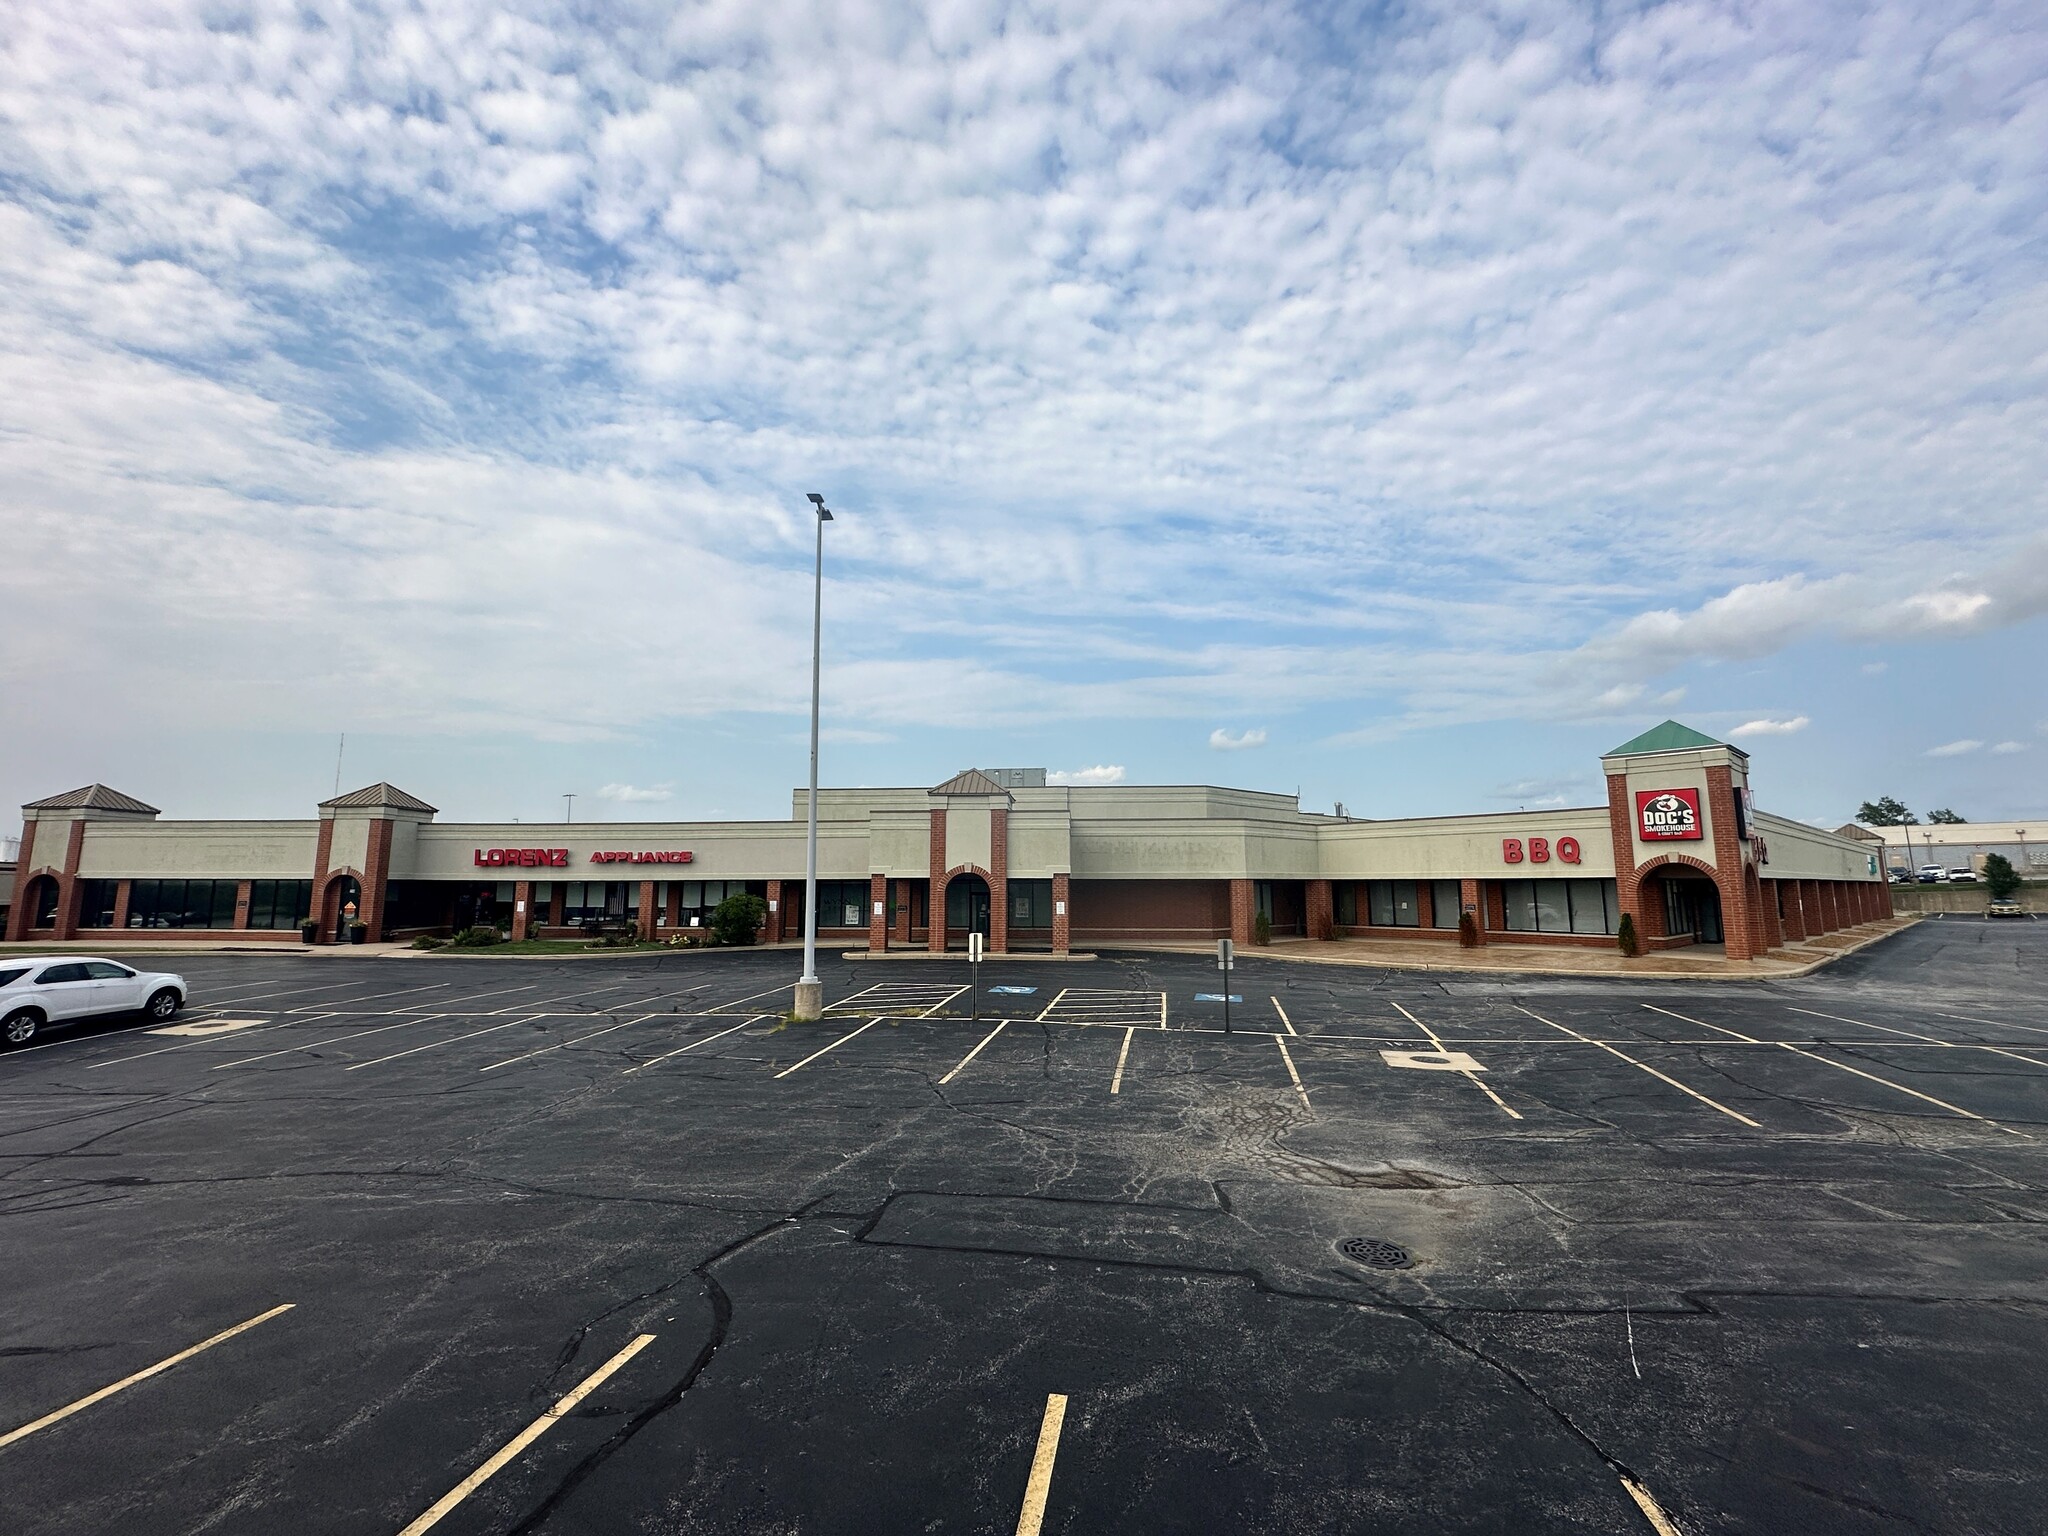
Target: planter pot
308, 935
357, 935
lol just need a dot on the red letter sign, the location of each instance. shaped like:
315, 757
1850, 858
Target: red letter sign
1668, 816
1568, 849
1539, 850
1511, 850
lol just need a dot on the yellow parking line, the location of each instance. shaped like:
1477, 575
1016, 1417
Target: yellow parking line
1660, 1522
871, 1023
143, 1375
693, 1045
1914, 1034
1661, 1077
1473, 1078
1283, 1017
1116, 1083
971, 1055
1842, 1066
525, 1437
1281, 1041
1039, 1484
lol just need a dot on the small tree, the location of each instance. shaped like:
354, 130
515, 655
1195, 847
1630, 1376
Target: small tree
738, 918
1947, 818
1262, 929
1468, 931
1886, 812
1625, 936
1999, 875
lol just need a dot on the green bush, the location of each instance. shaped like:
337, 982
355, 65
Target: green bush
1468, 931
738, 918
477, 938
1262, 929
2000, 878
428, 941
1625, 936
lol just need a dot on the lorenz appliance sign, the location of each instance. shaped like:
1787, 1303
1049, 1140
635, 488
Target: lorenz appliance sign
1668, 815
558, 858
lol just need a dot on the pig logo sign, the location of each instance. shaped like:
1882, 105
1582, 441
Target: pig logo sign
1668, 815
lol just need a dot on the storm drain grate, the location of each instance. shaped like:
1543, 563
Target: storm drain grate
1375, 1253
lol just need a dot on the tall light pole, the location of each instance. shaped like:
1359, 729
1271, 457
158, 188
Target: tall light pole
569, 806
810, 992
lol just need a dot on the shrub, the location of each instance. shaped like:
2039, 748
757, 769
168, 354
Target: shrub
1625, 936
738, 918
477, 938
1262, 929
1468, 931
428, 941
1999, 875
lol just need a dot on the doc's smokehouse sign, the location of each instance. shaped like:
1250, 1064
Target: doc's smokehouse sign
558, 858
1668, 815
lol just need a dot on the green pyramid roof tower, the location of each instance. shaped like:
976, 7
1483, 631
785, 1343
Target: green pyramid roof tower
1668, 737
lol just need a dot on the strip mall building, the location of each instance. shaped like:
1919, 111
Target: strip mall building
1678, 847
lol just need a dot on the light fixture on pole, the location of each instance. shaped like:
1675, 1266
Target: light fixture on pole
569, 806
810, 992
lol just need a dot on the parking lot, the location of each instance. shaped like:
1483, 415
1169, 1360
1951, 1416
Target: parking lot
606, 1245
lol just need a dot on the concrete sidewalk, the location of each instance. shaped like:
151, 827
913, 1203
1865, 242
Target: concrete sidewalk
1547, 960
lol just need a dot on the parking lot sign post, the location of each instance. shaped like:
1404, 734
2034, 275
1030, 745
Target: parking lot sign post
1225, 953
974, 948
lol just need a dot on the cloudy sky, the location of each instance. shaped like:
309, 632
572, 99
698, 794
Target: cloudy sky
1403, 410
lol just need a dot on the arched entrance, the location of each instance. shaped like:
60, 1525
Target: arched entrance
1692, 905
343, 901
967, 907
39, 900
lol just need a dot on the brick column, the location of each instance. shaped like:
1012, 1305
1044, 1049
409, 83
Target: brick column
1062, 913
1830, 906
899, 926
125, 889
1242, 906
1321, 921
936, 904
1774, 925
1495, 904
771, 931
1740, 928
1425, 904
998, 881
241, 904
1795, 915
522, 911
19, 916
67, 883
1469, 894
1884, 900
878, 914
645, 927
376, 866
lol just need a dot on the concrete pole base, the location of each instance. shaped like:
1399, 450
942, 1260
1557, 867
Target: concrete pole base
810, 999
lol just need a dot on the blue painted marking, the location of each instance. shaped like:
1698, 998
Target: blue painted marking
1014, 991
1215, 997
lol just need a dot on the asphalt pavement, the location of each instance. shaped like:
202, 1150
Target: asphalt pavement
488, 1245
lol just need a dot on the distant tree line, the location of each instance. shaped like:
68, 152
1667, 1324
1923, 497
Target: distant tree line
1888, 812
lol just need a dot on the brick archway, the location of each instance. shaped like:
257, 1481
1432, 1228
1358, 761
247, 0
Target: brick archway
28, 893
1736, 912
327, 907
998, 914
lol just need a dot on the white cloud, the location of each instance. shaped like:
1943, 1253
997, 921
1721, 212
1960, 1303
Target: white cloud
1955, 748
1221, 740
2007, 748
629, 794
1876, 668
1105, 773
1772, 727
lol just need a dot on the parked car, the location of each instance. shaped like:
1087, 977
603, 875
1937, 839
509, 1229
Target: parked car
1902, 877
1963, 874
50, 991
1932, 874
2005, 906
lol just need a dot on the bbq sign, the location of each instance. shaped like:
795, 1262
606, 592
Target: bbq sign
1668, 815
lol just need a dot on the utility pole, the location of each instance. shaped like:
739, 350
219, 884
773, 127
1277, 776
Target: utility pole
569, 801
810, 992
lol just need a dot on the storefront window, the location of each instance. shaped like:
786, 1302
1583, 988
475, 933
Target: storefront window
96, 903
1030, 903
598, 901
1561, 906
1447, 901
1392, 904
182, 903
279, 903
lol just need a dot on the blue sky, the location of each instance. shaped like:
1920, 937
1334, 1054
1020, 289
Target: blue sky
1403, 410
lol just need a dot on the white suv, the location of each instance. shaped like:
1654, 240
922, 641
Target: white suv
41, 991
